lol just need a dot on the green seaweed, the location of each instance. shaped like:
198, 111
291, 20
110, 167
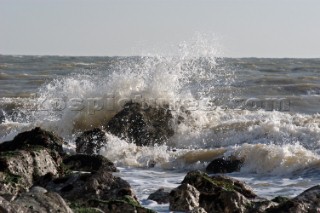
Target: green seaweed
11, 178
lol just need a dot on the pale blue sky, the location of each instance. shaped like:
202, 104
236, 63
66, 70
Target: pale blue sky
244, 28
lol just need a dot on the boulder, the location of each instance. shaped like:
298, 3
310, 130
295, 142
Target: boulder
80, 187
36, 137
42, 201
184, 198
89, 163
198, 210
206, 184
222, 165
7, 207
225, 201
19, 169
142, 126
2, 117
261, 206
306, 202
160, 196
220, 193
124, 204
90, 142
280, 199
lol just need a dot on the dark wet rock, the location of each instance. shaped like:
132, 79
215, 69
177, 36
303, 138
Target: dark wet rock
261, 206
124, 204
89, 163
222, 165
90, 142
184, 198
206, 184
160, 196
280, 199
34, 138
2, 117
224, 201
81, 187
142, 126
42, 201
198, 210
306, 202
19, 169
87, 210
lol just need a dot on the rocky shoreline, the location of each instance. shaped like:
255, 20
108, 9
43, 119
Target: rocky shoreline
36, 175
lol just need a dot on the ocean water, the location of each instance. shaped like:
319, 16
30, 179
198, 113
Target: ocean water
263, 110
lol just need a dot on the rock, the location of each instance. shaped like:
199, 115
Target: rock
34, 138
261, 206
77, 187
7, 207
19, 169
89, 163
222, 165
224, 201
2, 117
280, 199
37, 201
184, 198
198, 210
308, 201
90, 142
142, 126
220, 193
124, 204
206, 184
160, 196
87, 210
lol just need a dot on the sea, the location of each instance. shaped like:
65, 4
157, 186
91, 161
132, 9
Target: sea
263, 110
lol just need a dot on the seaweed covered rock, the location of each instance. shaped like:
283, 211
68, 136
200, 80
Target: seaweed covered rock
223, 165
90, 142
184, 198
220, 193
206, 184
306, 202
89, 163
160, 196
142, 126
36, 137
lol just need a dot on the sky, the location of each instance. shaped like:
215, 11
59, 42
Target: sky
239, 28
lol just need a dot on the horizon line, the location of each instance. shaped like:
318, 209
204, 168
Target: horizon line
114, 56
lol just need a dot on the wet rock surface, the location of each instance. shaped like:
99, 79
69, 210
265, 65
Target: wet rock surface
81, 187
306, 202
143, 126
21, 168
42, 201
36, 137
88, 163
184, 198
224, 165
216, 193
90, 142
160, 196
